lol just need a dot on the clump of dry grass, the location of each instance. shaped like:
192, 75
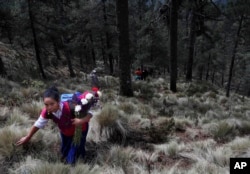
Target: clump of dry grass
159, 131
109, 81
4, 113
204, 166
30, 93
171, 149
144, 89
127, 107
112, 124
223, 131
109, 96
33, 109
9, 135
239, 145
182, 123
36, 166
145, 158
145, 110
86, 169
17, 117
117, 157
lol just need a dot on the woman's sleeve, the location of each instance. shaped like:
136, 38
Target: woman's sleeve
42, 121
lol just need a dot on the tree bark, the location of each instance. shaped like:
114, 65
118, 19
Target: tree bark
173, 44
233, 57
2, 69
92, 48
103, 52
208, 67
65, 41
56, 50
125, 60
110, 56
37, 48
191, 46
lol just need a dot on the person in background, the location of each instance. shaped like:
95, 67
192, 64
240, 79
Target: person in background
138, 74
94, 79
61, 113
144, 74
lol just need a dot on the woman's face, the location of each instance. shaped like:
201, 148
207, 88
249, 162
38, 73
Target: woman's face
51, 104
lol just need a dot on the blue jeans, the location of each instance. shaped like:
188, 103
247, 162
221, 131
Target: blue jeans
70, 151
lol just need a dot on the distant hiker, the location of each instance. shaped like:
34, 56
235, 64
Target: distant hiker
94, 79
138, 74
144, 74
63, 113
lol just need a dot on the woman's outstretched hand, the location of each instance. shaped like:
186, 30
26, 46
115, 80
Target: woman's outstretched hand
23, 140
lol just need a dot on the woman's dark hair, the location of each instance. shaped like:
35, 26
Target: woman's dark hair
52, 92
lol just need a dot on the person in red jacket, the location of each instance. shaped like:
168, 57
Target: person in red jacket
61, 113
138, 74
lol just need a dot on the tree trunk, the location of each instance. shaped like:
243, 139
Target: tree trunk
65, 40
233, 57
9, 33
110, 56
2, 69
37, 48
213, 76
56, 50
222, 79
103, 52
125, 60
173, 44
200, 70
192, 36
208, 66
92, 48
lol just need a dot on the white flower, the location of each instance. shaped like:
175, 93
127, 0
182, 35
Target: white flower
78, 108
89, 96
84, 101
99, 93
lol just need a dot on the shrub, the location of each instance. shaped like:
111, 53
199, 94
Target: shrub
4, 112
127, 107
33, 109
146, 90
112, 124
9, 136
35, 166
17, 117
118, 157
223, 131
34, 83
159, 132
171, 149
